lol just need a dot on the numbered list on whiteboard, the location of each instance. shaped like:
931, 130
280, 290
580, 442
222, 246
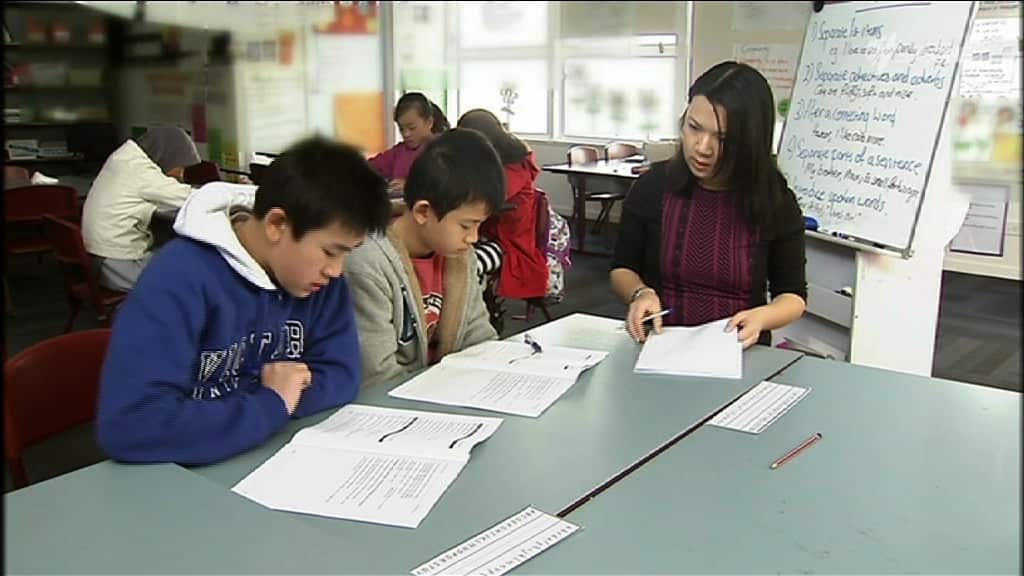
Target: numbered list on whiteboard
868, 102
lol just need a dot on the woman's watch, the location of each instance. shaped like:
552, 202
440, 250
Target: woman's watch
636, 293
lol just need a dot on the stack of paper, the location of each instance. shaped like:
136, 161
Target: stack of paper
367, 463
505, 377
706, 350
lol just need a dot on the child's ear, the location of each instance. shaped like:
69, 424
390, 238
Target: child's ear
421, 211
276, 225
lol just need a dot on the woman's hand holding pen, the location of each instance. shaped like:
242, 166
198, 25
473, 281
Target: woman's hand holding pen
646, 304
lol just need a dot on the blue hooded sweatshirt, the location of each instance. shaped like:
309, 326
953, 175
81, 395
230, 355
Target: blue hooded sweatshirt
181, 382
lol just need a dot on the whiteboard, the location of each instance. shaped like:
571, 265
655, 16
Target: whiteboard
871, 91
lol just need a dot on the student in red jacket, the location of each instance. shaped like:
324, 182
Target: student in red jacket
524, 270
419, 120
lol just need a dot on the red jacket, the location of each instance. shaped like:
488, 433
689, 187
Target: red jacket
524, 268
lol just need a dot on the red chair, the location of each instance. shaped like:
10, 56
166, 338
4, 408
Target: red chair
202, 173
16, 177
50, 388
24, 208
81, 282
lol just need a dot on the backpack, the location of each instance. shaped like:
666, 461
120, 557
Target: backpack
557, 253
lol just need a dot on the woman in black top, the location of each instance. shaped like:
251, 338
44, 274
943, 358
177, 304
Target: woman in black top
710, 231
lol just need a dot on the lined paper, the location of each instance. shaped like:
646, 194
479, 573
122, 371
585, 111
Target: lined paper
502, 547
759, 407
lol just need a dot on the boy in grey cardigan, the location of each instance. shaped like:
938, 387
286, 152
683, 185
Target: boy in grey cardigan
414, 288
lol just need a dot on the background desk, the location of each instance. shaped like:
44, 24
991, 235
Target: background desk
138, 519
607, 421
912, 474
618, 170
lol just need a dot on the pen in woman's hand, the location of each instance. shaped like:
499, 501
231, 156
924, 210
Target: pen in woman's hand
649, 317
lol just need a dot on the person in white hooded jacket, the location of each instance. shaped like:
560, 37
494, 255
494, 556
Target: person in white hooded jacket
139, 178
243, 320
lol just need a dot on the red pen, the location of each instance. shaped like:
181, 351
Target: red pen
793, 453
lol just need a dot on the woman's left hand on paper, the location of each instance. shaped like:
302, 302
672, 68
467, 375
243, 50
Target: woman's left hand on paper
748, 325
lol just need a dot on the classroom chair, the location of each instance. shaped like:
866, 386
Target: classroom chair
50, 388
257, 173
24, 207
620, 150
613, 151
81, 279
581, 155
202, 173
16, 176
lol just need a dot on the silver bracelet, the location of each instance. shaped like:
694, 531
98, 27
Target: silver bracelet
636, 293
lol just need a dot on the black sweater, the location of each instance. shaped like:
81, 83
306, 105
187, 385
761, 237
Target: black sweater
778, 257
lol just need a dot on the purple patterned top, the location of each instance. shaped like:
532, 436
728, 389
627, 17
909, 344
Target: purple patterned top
705, 257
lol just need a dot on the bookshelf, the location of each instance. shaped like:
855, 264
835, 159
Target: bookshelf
57, 85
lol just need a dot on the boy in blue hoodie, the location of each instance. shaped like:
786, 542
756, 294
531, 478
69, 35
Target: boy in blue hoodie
243, 321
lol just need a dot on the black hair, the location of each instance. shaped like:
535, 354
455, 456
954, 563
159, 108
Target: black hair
424, 108
318, 182
510, 149
440, 120
456, 168
745, 158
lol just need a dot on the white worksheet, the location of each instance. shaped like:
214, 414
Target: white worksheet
508, 377
370, 464
706, 351
759, 407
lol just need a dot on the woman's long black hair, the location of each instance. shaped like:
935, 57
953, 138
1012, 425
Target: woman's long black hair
745, 159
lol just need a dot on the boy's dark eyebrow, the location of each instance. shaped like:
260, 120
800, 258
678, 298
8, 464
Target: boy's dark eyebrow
338, 246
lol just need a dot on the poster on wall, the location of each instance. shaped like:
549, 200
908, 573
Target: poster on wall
762, 16
777, 62
984, 229
991, 58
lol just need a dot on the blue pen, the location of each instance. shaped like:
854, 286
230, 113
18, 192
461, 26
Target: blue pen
533, 344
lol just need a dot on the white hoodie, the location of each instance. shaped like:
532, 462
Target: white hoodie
205, 217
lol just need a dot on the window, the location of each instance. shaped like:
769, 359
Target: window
624, 98
515, 90
502, 24
503, 64
602, 70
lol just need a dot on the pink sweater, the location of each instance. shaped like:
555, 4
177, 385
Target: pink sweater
395, 162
